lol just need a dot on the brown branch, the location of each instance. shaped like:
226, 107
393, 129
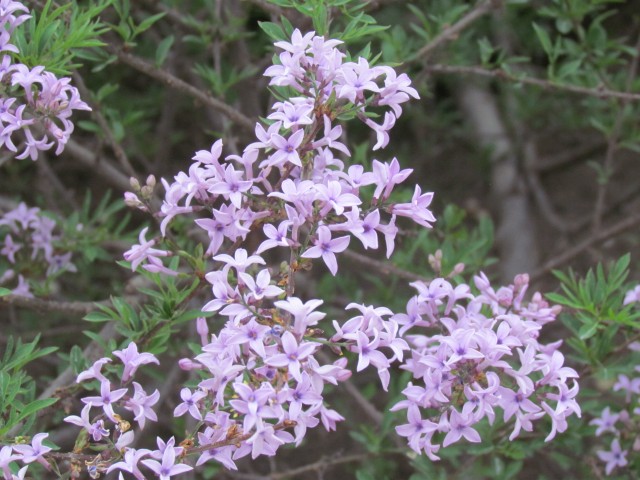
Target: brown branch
598, 237
386, 268
101, 166
118, 151
612, 144
176, 83
319, 466
42, 305
451, 32
538, 82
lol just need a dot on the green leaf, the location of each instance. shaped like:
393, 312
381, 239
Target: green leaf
163, 50
273, 30
588, 330
545, 41
5, 291
148, 22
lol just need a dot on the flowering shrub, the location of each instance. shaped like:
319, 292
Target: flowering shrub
29, 248
36, 106
464, 362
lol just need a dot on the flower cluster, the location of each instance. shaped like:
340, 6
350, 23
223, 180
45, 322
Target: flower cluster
106, 427
290, 180
622, 423
473, 354
36, 106
261, 378
27, 242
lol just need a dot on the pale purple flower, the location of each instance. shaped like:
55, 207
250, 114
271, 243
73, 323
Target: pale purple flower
632, 296
138, 253
189, 403
276, 237
10, 248
326, 247
459, 426
6, 457
293, 354
34, 452
606, 422
140, 404
94, 371
240, 261
132, 360
96, 429
130, 462
333, 197
232, 186
106, 399
616, 457
286, 149
168, 468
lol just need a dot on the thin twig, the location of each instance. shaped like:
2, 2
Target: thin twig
612, 143
176, 83
545, 84
598, 237
452, 31
386, 268
101, 166
41, 305
118, 151
322, 464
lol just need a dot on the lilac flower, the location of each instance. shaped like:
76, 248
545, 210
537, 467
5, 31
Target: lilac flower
94, 371
189, 404
327, 248
276, 237
417, 209
606, 422
286, 149
138, 253
6, 457
130, 462
332, 196
292, 115
132, 360
417, 428
34, 452
168, 468
231, 186
96, 429
240, 261
614, 458
261, 287
632, 296
458, 426
140, 404
106, 399
293, 354
10, 248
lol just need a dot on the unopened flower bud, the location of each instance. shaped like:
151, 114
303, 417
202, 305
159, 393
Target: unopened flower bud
187, 364
131, 200
203, 330
135, 184
458, 269
151, 181
147, 192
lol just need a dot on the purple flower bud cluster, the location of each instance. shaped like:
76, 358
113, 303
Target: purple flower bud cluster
28, 247
36, 106
473, 354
